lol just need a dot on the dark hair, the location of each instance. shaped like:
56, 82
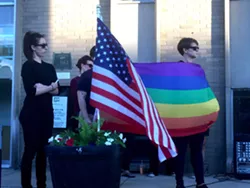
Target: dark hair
83, 60
185, 43
92, 52
30, 38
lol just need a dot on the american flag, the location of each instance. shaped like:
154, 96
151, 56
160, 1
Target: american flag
117, 89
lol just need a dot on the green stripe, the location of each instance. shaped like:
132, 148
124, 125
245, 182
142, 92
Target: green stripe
180, 96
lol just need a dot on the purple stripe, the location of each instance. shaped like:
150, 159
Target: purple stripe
169, 69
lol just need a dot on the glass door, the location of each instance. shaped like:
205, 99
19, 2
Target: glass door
6, 75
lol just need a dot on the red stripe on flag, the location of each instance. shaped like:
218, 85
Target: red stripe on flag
111, 82
116, 99
154, 123
115, 113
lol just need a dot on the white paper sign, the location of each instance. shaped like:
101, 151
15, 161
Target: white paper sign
63, 75
60, 104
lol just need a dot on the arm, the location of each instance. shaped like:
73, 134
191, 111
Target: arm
55, 90
81, 96
41, 89
29, 82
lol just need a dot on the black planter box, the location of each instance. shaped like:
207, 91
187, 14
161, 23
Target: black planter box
84, 167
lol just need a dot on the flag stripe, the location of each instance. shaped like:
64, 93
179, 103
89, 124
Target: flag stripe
174, 96
118, 100
156, 129
114, 105
115, 113
170, 83
108, 89
113, 82
187, 110
106, 74
144, 106
160, 125
169, 69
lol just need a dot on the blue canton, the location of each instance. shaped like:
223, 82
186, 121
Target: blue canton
110, 54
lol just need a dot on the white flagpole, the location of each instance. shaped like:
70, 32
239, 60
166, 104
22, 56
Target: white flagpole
98, 11
97, 111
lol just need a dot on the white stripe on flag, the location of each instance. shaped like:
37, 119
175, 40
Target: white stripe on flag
116, 106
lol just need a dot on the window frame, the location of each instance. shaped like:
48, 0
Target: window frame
7, 3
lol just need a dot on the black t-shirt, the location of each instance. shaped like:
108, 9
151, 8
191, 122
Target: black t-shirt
84, 84
33, 72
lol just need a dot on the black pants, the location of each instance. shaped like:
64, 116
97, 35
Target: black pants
36, 131
153, 159
73, 123
169, 164
127, 153
195, 142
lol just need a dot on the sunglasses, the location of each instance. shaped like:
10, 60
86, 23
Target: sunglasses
195, 48
43, 45
90, 65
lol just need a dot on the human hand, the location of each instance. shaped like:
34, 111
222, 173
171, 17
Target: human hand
54, 85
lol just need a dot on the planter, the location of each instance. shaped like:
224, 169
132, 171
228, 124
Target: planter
84, 167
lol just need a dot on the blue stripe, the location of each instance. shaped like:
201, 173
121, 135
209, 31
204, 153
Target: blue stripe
175, 82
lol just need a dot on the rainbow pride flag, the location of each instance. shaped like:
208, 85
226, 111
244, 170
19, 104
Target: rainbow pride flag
182, 96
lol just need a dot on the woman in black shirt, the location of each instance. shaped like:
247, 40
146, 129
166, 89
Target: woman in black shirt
36, 117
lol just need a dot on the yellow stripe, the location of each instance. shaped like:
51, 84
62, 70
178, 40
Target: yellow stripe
187, 110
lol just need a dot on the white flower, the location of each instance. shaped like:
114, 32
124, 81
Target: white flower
107, 134
107, 143
110, 140
57, 138
51, 139
124, 140
121, 136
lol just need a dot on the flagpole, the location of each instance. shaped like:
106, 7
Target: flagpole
98, 11
99, 15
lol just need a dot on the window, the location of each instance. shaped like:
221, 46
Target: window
6, 29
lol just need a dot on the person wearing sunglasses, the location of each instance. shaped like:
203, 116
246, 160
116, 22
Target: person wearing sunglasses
83, 93
36, 117
188, 48
83, 64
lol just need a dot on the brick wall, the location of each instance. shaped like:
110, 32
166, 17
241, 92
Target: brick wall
204, 21
68, 26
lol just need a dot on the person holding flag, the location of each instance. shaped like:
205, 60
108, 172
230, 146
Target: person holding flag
188, 48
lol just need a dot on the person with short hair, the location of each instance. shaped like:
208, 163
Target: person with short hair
188, 48
87, 111
83, 64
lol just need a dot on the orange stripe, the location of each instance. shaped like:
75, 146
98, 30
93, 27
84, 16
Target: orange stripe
182, 123
111, 123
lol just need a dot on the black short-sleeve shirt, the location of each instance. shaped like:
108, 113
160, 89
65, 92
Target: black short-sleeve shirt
84, 84
33, 72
